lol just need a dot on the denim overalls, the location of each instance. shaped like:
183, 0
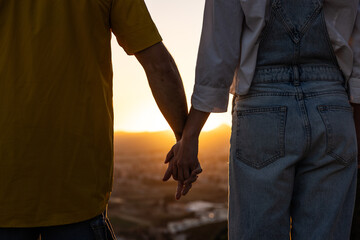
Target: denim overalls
293, 144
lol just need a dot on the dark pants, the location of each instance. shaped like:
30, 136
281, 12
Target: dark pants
97, 228
355, 231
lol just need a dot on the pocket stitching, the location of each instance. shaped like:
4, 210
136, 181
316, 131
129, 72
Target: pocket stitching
282, 111
330, 144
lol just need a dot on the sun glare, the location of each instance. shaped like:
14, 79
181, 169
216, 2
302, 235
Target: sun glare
146, 120
211, 125
134, 107
151, 120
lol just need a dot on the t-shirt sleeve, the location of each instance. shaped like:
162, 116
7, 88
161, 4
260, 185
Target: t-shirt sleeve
132, 25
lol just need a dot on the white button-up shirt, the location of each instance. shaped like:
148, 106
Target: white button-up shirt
228, 47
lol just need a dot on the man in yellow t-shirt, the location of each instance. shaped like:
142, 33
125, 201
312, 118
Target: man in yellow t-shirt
56, 115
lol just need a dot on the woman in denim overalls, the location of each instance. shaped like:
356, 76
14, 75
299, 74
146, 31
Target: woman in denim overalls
293, 144
296, 126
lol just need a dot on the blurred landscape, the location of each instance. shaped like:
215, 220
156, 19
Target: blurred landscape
142, 206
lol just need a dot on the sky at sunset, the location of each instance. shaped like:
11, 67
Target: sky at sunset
179, 23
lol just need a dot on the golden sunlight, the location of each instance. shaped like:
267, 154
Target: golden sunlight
134, 107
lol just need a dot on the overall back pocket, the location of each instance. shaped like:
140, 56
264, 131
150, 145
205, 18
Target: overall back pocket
260, 136
340, 132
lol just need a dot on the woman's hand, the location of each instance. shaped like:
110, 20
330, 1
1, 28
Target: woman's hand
183, 160
184, 165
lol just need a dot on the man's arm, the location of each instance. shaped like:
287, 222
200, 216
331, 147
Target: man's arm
166, 85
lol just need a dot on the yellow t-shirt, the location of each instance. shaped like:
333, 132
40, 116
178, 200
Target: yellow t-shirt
56, 113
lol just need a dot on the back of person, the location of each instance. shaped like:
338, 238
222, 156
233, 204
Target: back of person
56, 116
298, 100
290, 65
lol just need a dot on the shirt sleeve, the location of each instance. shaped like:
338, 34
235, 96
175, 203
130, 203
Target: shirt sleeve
354, 81
132, 25
218, 55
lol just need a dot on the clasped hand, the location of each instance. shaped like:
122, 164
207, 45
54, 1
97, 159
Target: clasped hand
183, 165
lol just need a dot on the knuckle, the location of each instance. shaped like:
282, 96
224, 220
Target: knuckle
181, 164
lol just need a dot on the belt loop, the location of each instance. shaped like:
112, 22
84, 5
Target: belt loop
296, 75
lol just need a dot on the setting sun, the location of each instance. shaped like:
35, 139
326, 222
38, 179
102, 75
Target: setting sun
134, 107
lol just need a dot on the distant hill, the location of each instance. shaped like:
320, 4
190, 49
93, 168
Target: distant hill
125, 143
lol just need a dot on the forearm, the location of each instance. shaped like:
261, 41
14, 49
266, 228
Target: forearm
166, 85
194, 124
169, 95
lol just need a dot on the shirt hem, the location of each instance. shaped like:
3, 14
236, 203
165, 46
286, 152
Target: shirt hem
57, 219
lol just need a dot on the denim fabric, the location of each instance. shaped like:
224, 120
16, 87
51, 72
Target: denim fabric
355, 230
295, 34
102, 228
293, 144
97, 228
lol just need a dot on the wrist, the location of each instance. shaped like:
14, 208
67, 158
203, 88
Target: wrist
178, 136
190, 135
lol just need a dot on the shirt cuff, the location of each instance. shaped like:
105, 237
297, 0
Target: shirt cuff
209, 99
354, 85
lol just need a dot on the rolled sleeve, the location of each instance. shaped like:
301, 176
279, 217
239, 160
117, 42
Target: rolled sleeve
132, 25
209, 99
218, 55
354, 81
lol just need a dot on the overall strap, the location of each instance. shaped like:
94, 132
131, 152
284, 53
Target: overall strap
295, 38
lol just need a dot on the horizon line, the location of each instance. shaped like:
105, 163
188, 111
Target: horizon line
167, 130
